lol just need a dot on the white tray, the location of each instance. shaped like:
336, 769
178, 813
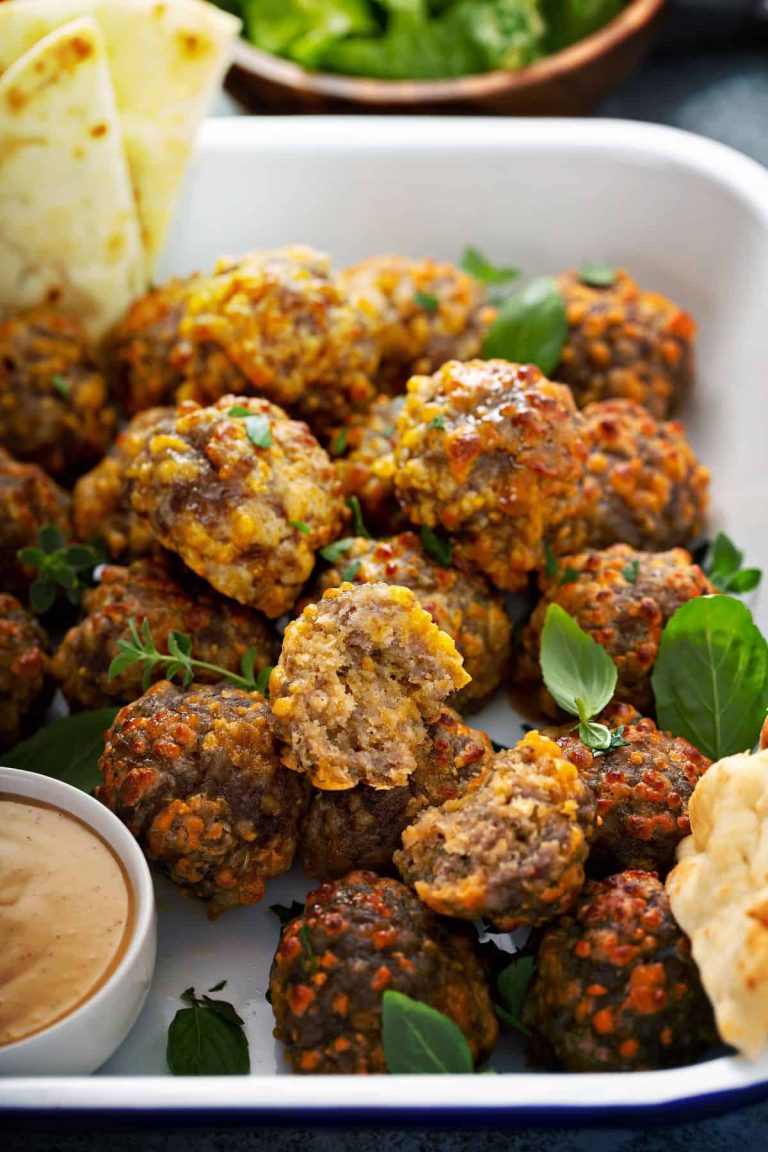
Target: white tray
687, 217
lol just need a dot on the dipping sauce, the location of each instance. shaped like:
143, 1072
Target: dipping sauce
66, 915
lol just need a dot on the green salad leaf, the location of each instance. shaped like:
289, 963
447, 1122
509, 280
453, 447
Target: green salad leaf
419, 1039
512, 986
577, 671
570, 20
710, 680
303, 30
531, 327
207, 1039
68, 749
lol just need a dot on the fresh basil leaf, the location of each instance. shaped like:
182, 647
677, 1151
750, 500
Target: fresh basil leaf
595, 736
437, 546
744, 581
722, 562
710, 680
287, 913
475, 264
419, 1039
334, 552
597, 275
203, 1042
574, 666
223, 1009
512, 987
68, 749
531, 327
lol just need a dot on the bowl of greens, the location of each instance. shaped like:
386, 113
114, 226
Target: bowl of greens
509, 57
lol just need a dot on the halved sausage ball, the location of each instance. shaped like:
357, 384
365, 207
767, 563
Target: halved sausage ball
195, 775
356, 939
361, 676
244, 495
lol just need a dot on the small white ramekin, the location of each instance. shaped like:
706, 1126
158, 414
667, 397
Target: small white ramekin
80, 1043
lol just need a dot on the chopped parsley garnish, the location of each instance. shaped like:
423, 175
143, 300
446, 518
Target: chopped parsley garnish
339, 442
358, 524
597, 275
437, 546
334, 552
426, 301
257, 425
300, 526
61, 384
437, 422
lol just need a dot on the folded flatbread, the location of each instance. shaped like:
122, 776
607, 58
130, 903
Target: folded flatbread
167, 59
69, 230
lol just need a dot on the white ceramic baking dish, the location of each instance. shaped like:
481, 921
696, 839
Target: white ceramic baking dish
686, 216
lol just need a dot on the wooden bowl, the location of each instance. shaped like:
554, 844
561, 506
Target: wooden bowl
569, 83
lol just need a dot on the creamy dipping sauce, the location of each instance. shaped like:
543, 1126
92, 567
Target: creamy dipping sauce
66, 915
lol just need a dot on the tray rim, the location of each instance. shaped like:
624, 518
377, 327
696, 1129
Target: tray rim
538, 1098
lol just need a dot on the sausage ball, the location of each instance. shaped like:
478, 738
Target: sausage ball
25, 688
424, 312
513, 848
361, 676
221, 631
101, 500
361, 827
493, 453
356, 939
642, 792
616, 988
273, 324
54, 406
364, 458
146, 364
460, 603
243, 494
623, 598
644, 485
624, 343
195, 775
29, 500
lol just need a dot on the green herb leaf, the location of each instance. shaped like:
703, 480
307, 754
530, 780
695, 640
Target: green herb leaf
597, 275
68, 749
437, 546
207, 1039
419, 1039
710, 680
139, 648
239, 412
218, 987
437, 422
349, 573
568, 576
551, 567
339, 442
475, 264
595, 736
307, 951
258, 431
531, 327
286, 913
577, 671
722, 564
59, 566
51, 539
42, 595
61, 385
512, 987
334, 552
427, 301
358, 524
630, 573
262, 680
248, 663
300, 526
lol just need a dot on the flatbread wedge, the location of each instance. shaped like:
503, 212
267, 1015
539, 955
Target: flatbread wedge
167, 59
69, 230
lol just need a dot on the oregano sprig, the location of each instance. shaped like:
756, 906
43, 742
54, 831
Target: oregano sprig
59, 566
140, 648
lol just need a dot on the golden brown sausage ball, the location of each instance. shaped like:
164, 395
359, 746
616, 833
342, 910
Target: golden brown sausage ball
101, 500
460, 603
513, 848
194, 773
361, 676
54, 405
616, 988
25, 687
151, 589
147, 366
623, 598
363, 451
356, 939
361, 826
244, 495
29, 501
424, 312
494, 454
642, 791
624, 343
644, 485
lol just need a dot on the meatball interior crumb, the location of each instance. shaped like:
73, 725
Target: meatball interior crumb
511, 849
360, 677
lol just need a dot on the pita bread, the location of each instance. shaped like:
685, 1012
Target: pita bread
69, 231
167, 59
